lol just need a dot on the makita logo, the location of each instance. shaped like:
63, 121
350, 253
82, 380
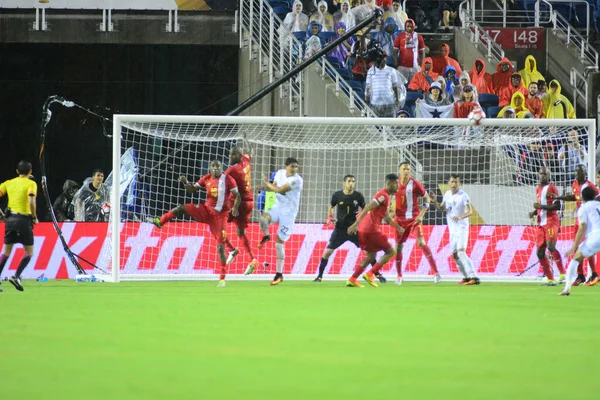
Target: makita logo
188, 247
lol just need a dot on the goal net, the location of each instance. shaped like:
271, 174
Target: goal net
498, 162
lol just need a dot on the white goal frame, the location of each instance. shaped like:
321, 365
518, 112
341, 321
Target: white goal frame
120, 119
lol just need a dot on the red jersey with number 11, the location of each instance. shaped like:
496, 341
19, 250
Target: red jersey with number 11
547, 217
241, 173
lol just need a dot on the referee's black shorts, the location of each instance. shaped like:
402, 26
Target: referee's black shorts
339, 237
18, 229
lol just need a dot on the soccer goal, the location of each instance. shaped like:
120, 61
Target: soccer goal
498, 162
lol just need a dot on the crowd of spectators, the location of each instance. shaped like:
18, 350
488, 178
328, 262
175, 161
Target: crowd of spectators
408, 81
503, 93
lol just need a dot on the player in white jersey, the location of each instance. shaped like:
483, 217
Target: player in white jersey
457, 205
589, 227
287, 186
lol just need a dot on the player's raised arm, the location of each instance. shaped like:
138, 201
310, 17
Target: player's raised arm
371, 206
566, 197
441, 207
189, 187
274, 188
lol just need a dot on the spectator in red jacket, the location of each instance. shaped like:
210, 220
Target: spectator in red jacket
481, 79
443, 60
423, 80
466, 104
533, 103
501, 78
507, 92
385, 4
409, 50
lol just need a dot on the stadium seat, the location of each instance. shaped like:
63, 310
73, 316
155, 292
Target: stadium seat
411, 98
344, 73
301, 36
360, 93
492, 112
488, 100
355, 84
335, 63
281, 11
280, 3
326, 37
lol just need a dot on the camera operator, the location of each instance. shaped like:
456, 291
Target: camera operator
382, 83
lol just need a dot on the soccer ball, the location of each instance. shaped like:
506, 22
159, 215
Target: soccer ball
476, 116
105, 209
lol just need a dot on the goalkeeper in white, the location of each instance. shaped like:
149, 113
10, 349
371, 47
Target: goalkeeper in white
457, 205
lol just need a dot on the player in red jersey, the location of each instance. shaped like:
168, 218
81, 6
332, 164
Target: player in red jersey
580, 183
410, 218
240, 171
213, 212
546, 209
370, 237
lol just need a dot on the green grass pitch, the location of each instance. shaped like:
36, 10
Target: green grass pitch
301, 340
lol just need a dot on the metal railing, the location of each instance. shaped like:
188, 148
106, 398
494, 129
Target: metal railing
586, 53
478, 35
278, 51
579, 86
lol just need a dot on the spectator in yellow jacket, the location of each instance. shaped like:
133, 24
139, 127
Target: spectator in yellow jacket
555, 104
530, 72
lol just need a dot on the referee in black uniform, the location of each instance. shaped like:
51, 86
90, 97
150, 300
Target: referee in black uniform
21, 216
347, 203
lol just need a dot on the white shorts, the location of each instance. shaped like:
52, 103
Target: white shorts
459, 237
285, 220
590, 246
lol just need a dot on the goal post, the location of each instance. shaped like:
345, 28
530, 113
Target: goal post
497, 161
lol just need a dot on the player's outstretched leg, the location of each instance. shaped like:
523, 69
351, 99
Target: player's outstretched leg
264, 227
16, 279
223, 265
370, 276
429, 256
399, 278
557, 258
280, 247
3, 260
241, 232
461, 268
177, 212
571, 274
469, 268
546, 267
593, 280
323, 264
353, 280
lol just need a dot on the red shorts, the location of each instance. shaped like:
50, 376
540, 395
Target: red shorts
409, 226
245, 212
373, 242
214, 219
546, 233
